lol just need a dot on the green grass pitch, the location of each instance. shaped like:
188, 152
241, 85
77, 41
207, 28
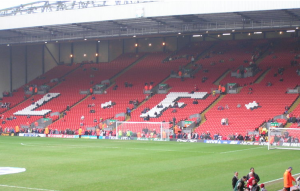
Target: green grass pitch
82, 164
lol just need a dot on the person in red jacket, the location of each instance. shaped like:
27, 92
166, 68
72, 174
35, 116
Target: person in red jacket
288, 179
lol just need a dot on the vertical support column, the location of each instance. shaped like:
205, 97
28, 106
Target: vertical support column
108, 52
26, 63
59, 53
233, 36
177, 44
10, 68
72, 52
123, 46
43, 59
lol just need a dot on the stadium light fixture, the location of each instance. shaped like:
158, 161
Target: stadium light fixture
71, 55
249, 34
290, 31
98, 41
297, 27
179, 33
135, 44
7, 45
84, 55
226, 34
46, 42
134, 36
233, 30
85, 39
280, 32
56, 41
197, 35
150, 44
257, 32
218, 35
163, 43
96, 54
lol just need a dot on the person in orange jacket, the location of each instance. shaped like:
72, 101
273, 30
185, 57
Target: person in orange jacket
17, 130
46, 132
288, 179
98, 132
79, 132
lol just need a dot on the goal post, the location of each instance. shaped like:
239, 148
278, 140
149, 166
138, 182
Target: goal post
284, 138
143, 130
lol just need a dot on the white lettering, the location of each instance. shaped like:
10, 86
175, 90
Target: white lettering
170, 99
30, 109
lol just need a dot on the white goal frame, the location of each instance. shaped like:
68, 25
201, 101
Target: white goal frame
280, 144
162, 125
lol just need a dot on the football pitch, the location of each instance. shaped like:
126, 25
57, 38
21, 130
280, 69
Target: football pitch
84, 164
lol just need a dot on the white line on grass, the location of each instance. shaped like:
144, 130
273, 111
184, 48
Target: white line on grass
239, 150
279, 179
8, 186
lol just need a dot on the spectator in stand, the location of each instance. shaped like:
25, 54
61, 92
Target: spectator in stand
254, 174
234, 179
192, 59
250, 91
146, 87
223, 121
179, 73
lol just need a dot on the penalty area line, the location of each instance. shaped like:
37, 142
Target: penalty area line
240, 150
28, 188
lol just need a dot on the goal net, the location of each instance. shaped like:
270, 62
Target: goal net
284, 138
143, 130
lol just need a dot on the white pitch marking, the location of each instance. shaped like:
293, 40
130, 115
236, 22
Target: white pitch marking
239, 150
279, 179
8, 186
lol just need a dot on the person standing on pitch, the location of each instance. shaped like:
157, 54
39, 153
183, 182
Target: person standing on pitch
235, 179
288, 179
98, 132
79, 132
255, 175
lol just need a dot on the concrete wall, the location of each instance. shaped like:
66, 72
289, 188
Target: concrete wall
278, 35
34, 60
182, 41
103, 51
51, 54
18, 66
65, 52
85, 51
115, 49
156, 44
240, 36
129, 45
5, 69
171, 43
